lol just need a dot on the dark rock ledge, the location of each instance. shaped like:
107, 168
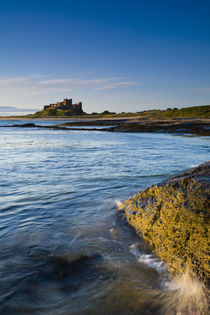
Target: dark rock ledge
173, 217
199, 127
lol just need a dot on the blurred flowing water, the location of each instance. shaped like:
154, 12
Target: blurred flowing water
62, 248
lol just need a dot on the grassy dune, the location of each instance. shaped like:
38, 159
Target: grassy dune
188, 112
170, 113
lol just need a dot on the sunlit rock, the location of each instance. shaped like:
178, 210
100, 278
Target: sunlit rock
173, 218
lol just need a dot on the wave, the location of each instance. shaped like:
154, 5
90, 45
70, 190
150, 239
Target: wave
148, 259
184, 295
187, 295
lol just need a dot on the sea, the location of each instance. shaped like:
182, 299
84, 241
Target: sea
63, 247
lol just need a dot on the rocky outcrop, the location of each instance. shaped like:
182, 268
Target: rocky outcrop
195, 127
191, 127
173, 217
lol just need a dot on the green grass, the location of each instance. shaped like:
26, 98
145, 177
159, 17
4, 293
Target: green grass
187, 112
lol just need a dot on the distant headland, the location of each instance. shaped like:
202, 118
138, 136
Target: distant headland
190, 120
66, 108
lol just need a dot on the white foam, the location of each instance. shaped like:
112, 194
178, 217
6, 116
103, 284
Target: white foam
194, 165
119, 204
148, 259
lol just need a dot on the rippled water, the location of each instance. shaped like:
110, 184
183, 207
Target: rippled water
62, 248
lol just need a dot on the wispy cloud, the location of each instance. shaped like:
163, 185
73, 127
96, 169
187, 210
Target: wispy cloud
11, 109
115, 85
38, 85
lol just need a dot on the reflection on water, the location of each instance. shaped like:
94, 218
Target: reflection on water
62, 248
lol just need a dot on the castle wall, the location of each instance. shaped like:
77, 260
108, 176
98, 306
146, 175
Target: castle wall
66, 105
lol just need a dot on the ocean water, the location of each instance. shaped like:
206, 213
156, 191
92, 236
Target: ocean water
63, 249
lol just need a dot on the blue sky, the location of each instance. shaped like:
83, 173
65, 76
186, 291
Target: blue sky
116, 55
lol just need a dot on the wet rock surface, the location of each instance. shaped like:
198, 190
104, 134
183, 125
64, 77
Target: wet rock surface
173, 217
199, 127
181, 127
27, 125
84, 267
73, 272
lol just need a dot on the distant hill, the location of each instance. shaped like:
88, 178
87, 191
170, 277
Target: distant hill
202, 111
44, 113
187, 112
170, 113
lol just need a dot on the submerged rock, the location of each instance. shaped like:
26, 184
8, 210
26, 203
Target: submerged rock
62, 267
173, 217
28, 125
75, 272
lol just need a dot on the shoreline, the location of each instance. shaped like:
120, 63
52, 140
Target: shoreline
87, 119
200, 127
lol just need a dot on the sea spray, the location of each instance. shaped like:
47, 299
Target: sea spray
184, 294
187, 295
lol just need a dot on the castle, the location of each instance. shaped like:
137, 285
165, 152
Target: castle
75, 109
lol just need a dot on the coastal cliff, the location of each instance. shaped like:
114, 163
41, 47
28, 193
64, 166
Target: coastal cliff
173, 217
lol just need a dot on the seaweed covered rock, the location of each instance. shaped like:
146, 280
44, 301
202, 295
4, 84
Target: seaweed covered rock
173, 217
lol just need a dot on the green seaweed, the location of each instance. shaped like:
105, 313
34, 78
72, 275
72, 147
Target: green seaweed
173, 218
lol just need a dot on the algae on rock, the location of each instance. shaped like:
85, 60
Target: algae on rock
173, 218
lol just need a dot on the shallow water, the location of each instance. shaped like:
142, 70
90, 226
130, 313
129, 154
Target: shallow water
58, 203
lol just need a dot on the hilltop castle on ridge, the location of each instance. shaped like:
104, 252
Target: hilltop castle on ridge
76, 109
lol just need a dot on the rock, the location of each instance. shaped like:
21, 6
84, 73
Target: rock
28, 125
173, 217
63, 268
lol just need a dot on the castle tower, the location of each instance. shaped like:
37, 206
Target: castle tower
67, 103
80, 105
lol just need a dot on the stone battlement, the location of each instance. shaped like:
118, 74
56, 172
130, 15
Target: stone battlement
70, 109
65, 105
